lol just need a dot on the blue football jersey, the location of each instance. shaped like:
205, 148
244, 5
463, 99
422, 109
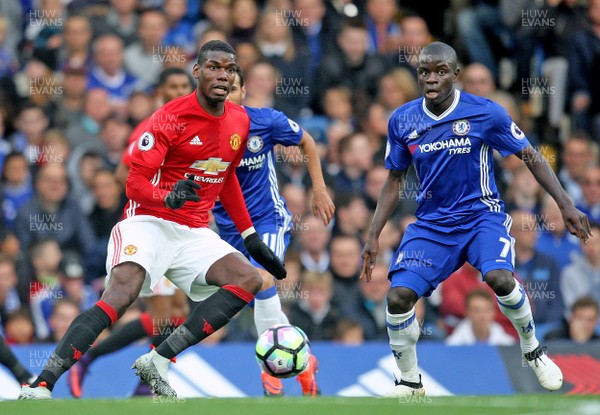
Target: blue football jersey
452, 154
256, 171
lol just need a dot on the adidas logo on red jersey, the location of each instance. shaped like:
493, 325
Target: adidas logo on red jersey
196, 141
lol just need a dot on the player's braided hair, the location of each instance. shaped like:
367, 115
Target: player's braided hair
216, 46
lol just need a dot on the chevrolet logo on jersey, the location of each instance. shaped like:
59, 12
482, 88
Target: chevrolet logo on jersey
213, 165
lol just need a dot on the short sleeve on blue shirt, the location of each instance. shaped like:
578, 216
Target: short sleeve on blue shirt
503, 134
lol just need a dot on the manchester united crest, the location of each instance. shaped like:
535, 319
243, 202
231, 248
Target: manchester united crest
235, 141
130, 250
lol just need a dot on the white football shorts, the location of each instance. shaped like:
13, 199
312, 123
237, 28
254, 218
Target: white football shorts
164, 248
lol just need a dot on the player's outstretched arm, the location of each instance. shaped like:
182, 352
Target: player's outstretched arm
232, 198
322, 205
575, 220
388, 199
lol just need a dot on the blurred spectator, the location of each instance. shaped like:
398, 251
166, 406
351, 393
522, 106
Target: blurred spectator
18, 327
179, 31
260, 83
44, 256
369, 310
582, 277
351, 216
122, 20
583, 86
314, 313
82, 167
374, 181
295, 199
109, 205
384, 32
114, 134
39, 85
334, 135
63, 314
289, 288
17, 188
51, 213
356, 159
581, 326
45, 25
109, 74
396, 88
217, 13
590, 186
107, 211
29, 138
554, 240
414, 36
478, 80
291, 168
244, 18
337, 103
69, 285
9, 244
69, 109
389, 240
524, 191
8, 60
479, 326
141, 106
14, 13
539, 272
482, 31
348, 332
143, 59
9, 297
276, 44
344, 264
74, 54
56, 148
313, 242
352, 67
454, 292
374, 123
86, 129
247, 55
577, 156
317, 30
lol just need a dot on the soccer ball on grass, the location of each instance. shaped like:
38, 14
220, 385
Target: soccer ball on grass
283, 351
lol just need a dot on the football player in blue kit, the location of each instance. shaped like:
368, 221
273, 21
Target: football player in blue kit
449, 136
269, 213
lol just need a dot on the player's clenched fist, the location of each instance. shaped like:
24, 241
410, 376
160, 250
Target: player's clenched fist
183, 191
264, 256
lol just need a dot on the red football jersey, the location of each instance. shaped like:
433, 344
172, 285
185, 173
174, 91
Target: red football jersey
181, 140
132, 141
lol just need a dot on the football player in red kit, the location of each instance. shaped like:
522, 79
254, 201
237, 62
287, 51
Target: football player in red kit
166, 306
184, 160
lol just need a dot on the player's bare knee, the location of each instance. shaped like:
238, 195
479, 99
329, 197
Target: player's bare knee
124, 286
401, 300
501, 281
248, 278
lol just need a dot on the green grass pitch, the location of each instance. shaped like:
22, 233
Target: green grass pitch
477, 405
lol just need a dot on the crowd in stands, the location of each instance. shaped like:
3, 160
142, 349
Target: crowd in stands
77, 76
